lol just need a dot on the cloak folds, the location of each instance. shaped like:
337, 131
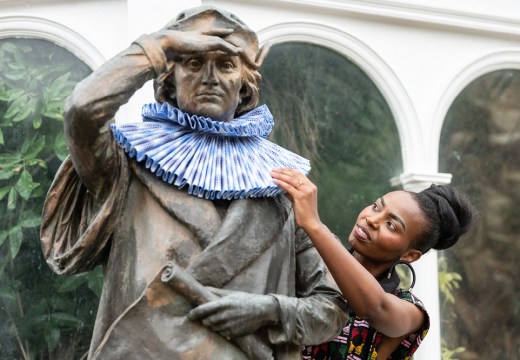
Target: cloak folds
144, 224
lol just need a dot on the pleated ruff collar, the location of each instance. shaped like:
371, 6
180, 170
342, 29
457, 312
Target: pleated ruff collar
212, 159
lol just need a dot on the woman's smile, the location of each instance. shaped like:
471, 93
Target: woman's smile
361, 233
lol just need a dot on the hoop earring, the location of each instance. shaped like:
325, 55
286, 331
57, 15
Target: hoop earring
410, 268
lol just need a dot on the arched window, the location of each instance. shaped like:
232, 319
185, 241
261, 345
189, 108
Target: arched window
41, 315
328, 110
480, 291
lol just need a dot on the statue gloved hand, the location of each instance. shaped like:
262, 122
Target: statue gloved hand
174, 42
237, 313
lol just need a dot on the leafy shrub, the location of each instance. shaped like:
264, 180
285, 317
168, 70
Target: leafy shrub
43, 316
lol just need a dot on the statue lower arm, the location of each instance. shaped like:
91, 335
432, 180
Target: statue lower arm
94, 103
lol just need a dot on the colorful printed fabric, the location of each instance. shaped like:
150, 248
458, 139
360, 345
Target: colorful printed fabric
359, 341
212, 159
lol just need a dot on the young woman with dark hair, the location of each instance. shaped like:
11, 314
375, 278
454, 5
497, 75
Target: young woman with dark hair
385, 321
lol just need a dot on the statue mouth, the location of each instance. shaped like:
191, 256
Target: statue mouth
209, 98
209, 94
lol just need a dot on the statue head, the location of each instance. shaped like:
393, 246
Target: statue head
205, 19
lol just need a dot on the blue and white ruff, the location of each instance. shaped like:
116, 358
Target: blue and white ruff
213, 159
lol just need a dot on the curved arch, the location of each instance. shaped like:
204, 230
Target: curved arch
377, 70
35, 27
501, 60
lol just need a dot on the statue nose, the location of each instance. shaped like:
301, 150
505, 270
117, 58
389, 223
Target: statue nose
209, 76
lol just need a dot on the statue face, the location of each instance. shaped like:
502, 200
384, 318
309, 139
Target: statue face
208, 84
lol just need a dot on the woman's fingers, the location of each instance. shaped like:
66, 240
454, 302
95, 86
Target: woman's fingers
303, 194
289, 178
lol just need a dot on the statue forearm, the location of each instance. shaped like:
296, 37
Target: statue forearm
318, 311
97, 98
94, 102
303, 321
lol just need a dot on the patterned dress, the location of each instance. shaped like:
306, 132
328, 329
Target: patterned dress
359, 341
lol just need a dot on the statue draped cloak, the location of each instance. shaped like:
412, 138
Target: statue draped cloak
105, 209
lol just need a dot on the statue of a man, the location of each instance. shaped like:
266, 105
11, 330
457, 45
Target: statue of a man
167, 246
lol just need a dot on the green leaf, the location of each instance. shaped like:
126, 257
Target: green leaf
15, 66
60, 147
7, 294
1, 137
9, 47
95, 281
31, 222
13, 94
3, 236
6, 174
53, 110
52, 338
15, 240
11, 200
37, 122
47, 70
25, 185
16, 75
55, 89
39, 192
66, 320
16, 106
9, 158
4, 95
72, 283
4, 191
31, 147
36, 162
27, 109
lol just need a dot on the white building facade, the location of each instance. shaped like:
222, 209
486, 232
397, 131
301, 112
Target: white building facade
420, 55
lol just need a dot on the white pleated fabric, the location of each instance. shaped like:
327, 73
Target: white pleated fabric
212, 159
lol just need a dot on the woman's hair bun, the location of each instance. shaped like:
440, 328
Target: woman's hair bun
450, 214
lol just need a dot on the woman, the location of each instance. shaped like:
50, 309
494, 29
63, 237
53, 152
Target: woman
385, 322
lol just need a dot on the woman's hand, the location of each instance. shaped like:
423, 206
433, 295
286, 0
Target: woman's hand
302, 193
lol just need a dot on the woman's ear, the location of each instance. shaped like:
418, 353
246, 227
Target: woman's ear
411, 255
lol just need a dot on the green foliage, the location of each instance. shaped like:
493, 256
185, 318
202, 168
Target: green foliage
479, 146
448, 281
43, 315
329, 111
449, 354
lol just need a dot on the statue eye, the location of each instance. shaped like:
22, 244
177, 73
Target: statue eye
227, 65
194, 64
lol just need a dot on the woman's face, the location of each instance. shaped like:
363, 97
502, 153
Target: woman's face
388, 228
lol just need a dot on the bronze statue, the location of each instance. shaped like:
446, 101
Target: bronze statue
165, 250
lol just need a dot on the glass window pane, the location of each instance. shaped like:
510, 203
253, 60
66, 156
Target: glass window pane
328, 110
480, 146
42, 315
